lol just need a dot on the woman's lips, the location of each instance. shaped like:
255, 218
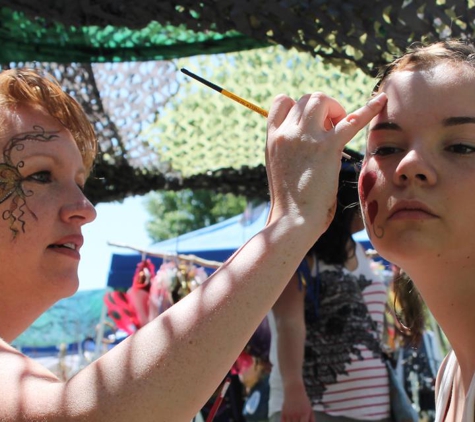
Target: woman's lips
72, 253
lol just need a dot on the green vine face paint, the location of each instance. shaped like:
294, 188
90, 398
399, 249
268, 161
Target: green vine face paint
11, 179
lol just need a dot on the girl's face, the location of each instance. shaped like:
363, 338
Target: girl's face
42, 207
417, 184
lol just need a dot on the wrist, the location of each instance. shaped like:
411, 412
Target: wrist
294, 387
297, 227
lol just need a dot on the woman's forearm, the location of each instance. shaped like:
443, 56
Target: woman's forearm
169, 357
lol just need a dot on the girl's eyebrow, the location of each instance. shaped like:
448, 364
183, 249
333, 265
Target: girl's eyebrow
385, 126
458, 120
449, 121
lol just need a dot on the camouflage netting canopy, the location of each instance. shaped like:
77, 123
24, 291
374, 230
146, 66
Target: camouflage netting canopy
86, 44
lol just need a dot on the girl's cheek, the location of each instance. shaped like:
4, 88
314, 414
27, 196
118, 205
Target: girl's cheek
372, 211
365, 185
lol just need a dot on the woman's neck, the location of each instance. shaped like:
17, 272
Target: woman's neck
24, 315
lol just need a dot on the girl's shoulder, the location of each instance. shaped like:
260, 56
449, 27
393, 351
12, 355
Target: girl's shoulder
446, 371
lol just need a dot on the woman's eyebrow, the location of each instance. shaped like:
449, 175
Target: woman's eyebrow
38, 133
385, 126
458, 120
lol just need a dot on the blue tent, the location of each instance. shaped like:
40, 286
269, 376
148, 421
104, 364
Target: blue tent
217, 243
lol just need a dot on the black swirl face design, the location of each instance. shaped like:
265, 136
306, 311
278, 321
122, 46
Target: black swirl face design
11, 180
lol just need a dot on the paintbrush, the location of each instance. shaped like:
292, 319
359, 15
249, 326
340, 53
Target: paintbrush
242, 101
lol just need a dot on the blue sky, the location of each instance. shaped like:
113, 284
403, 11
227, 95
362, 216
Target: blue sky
116, 222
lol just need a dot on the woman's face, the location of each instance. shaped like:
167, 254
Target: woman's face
42, 206
417, 184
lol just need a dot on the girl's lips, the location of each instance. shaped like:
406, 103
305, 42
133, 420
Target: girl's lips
411, 214
411, 210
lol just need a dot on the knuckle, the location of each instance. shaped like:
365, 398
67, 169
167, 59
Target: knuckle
319, 96
353, 120
282, 99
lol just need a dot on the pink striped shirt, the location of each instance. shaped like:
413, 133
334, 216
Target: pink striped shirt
363, 391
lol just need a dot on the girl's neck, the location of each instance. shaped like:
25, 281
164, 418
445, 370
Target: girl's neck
448, 290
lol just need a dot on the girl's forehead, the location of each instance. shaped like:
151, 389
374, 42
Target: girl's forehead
441, 92
449, 74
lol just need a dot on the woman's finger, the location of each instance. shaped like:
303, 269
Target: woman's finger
278, 112
349, 126
324, 110
297, 111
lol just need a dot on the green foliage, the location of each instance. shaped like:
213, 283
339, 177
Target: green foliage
202, 130
175, 213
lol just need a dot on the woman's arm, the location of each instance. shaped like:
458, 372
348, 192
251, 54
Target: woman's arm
290, 323
169, 368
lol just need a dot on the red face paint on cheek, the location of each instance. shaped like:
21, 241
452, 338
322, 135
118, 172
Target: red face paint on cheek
372, 211
366, 184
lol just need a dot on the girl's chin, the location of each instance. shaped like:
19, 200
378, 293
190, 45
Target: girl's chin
404, 247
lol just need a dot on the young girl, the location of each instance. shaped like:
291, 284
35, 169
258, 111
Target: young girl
417, 190
170, 367
327, 326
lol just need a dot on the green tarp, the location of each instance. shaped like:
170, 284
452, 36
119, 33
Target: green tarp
23, 39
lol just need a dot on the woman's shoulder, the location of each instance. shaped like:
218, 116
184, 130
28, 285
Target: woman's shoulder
13, 363
7, 349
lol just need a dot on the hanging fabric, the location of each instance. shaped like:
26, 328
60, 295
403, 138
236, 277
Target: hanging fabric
138, 294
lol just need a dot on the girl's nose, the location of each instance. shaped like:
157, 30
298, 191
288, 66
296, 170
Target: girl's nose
415, 168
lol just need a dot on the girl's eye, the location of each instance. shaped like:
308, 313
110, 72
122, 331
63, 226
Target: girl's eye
40, 177
461, 149
385, 150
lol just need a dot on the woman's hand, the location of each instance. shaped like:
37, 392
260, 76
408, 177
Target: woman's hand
297, 406
305, 140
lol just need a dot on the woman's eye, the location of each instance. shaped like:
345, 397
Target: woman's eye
383, 151
40, 177
461, 149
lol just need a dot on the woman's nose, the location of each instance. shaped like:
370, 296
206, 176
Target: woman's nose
415, 167
78, 210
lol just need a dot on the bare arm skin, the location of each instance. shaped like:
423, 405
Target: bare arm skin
167, 370
290, 322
